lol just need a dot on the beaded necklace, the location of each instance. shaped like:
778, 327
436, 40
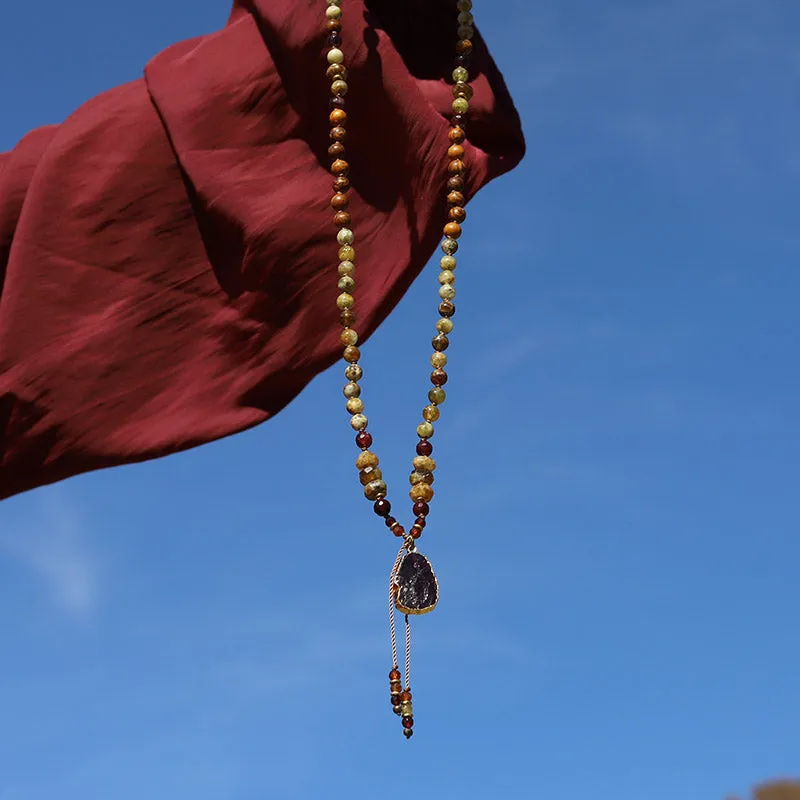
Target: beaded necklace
413, 587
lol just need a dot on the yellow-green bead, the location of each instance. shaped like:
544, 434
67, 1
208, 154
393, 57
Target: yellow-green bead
345, 300
447, 291
375, 490
345, 236
447, 276
460, 105
353, 372
334, 12
352, 389
366, 459
369, 475
347, 269
444, 325
466, 32
424, 464
437, 395
463, 5
349, 336
438, 360
447, 262
465, 18
460, 75
346, 284
358, 422
425, 430
335, 56
347, 253
339, 2
339, 87
355, 405
431, 413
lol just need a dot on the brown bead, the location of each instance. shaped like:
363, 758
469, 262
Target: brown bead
342, 219
336, 71
438, 377
424, 448
390, 522
422, 491
338, 133
447, 308
455, 183
405, 697
366, 459
382, 507
420, 522
464, 47
336, 150
364, 440
456, 135
440, 342
419, 476
463, 90
347, 317
337, 102
395, 698
395, 685
398, 530
455, 151
457, 214
351, 354
338, 117
341, 184
340, 201
371, 474
452, 230
455, 167
340, 167
334, 25
456, 199
421, 509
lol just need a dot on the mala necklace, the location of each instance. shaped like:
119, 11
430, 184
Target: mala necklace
413, 588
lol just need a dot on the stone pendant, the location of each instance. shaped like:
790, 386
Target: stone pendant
416, 590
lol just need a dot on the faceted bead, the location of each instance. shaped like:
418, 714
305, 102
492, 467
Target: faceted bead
354, 373
405, 697
447, 309
347, 268
457, 214
355, 405
422, 491
444, 325
463, 90
342, 219
336, 150
429, 413
447, 263
336, 56
395, 699
382, 507
456, 199
358, 422
390, 522
440, 342
424, 448
438, 378
349, 336
340, 167
398, 530
351, 354
406, 709
345, 300
424, 463
437, 395
452, 229
421, 508
420, 522
371, 474
364, 440
455, 151
338, 133
375, 490
425, 430
347, 253
352, 390
340, 201
394, 675
366, 459
339, 88
420, 477
395, 685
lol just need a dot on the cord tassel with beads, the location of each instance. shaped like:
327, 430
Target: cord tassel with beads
413, 587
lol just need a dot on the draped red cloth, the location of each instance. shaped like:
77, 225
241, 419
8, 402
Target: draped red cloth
167, 254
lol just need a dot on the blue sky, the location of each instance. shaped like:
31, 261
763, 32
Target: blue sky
616, 521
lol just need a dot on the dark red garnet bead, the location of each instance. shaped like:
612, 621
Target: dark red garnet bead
382, 507
408, 722
337, 102
364, 440
421, 508
390, 522
420, 522
424, 447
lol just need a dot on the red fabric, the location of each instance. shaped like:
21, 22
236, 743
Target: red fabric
167, 254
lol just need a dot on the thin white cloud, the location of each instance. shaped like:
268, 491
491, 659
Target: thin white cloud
52, 546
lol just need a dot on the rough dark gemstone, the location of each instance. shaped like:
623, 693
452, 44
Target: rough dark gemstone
382, 507
408, 732
390, 522
424, 447
420, 521
364, 440
447, 308
416, 588
464, 47
458, 120
463, 60
408, 722
395, 699
421, 509
335, 39
337, 102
